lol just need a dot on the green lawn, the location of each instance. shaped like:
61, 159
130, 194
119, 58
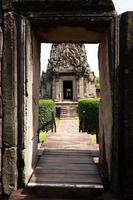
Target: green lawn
57, 121
42, 136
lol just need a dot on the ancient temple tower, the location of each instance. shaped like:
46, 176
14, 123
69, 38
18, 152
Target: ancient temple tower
68, 75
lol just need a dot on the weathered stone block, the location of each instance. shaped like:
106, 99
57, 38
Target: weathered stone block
126, 104
9, 170
0, 172
0, 133
1, 43
1, 49
0, 105
6, 4
9, 80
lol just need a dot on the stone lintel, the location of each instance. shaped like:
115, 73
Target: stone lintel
64, 5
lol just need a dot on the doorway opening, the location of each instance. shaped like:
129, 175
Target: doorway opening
67, 90
84, 26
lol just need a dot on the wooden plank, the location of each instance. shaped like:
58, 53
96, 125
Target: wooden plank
78, 165
56, 151
64, 161
59, 175
68, 153
65, 171
93, 180
66, 156
71, 168
65, 168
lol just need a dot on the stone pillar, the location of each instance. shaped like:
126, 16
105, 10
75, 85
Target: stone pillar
126, 105
89, 89
54, 88
28, 96
86, 89
106, 120
57, 98
74, 90
81, 87
1, 112
10, 123
77, 81
60, 89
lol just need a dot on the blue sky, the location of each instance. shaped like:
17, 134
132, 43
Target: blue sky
91, 49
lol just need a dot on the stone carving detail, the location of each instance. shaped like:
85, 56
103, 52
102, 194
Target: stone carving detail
68, 58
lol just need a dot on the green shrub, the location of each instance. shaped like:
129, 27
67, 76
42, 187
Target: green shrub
46, 107
88, 110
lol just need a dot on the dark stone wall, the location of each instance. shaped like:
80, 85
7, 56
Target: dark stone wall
126, 105
105, 118
1, 110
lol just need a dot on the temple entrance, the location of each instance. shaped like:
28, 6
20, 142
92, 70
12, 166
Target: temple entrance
81, 22
67, 90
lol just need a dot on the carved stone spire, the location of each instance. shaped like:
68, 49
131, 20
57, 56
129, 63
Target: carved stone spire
68, 57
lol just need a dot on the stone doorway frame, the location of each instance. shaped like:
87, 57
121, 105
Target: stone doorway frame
103, 26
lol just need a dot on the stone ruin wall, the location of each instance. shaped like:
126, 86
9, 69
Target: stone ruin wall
1, 109
20, 81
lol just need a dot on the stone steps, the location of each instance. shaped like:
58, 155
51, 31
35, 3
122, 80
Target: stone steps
68, 111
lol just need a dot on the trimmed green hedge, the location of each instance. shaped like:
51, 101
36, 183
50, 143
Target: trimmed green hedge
46, 107
88, 110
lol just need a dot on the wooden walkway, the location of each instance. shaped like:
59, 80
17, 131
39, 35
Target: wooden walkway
67, 164
66, 169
